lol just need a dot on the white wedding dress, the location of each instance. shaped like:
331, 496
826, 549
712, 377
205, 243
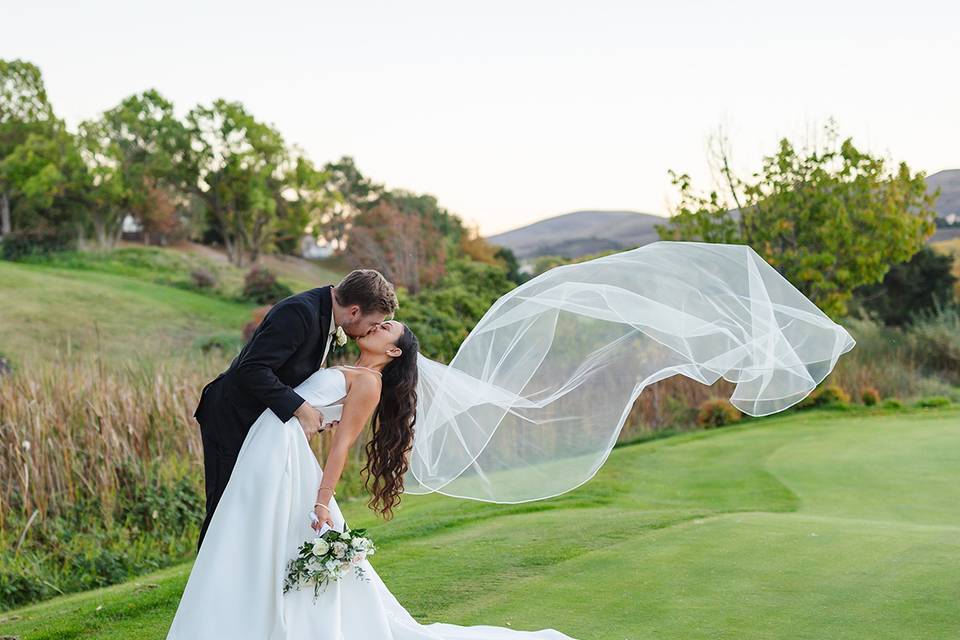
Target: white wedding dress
235, 589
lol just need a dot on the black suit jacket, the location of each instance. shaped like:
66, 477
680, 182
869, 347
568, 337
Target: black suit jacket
284, 351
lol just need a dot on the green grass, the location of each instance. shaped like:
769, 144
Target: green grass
174, 265
809, 525
45, 310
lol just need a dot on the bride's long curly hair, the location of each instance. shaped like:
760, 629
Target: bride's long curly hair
393, 421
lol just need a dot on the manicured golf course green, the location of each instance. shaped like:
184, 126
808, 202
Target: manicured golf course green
813, 525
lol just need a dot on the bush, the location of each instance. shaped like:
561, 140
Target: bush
260, 285
228, 344
892, 403
934, 340
203, 278
869, 396
443, 315
917, 285
931, 402
827, 395
257, 317
35, 242
717, 412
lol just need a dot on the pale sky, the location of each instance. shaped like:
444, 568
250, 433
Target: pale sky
509, 112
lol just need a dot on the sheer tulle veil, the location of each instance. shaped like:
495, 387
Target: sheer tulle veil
532, 404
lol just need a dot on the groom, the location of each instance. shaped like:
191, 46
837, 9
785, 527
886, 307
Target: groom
289, 345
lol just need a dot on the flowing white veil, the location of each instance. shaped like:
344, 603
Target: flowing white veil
531, 405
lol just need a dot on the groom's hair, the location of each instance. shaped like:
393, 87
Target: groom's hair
368, 289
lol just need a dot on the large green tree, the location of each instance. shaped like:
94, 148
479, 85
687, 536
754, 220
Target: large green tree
304, 204
829, 218
349, 192
131, 151
235, 165
25, 111
47, 183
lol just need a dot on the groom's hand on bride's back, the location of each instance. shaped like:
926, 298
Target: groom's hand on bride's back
310, 419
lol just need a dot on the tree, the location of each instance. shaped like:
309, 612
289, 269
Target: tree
234, 165
46, 182
829, 218
402, 245
304, 204
348, 193
509, 261
443, 315
158, 213
449, 225
131, 150
920, 284
24, 111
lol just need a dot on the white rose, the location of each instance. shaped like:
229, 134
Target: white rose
339, 549
358, 543
345, 536
320, 547
356, 559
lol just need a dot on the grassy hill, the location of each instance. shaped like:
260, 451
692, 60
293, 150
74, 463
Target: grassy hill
803, 526
131, 303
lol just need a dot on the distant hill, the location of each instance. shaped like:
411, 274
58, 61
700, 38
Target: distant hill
949, 183
949, 201
579, 233
583, 232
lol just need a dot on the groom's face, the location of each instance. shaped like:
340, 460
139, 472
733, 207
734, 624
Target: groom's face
359, 325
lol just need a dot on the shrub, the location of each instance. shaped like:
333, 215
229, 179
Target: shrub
932, 401
892, 403
934, 341
261, 286
869, 396
717, 412
227, 343
827, 395
35, 242
258, 315
203, 278
914, 286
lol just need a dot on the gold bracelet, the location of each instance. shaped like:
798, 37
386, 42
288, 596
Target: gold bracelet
328, 489
320, 504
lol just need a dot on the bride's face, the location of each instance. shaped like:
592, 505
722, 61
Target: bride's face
382, 337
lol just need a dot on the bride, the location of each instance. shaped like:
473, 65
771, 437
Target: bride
235, 587
529, 408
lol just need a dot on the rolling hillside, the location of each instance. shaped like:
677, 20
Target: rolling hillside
583, 232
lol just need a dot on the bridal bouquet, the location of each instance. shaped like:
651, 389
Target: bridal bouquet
328, 557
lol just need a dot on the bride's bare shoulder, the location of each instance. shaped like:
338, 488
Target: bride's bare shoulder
361, 381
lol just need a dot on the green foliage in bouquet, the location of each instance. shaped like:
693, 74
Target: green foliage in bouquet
328, 557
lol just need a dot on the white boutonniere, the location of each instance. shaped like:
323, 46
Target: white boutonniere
340, 338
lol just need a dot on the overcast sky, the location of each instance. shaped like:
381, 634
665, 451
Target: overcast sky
509, 112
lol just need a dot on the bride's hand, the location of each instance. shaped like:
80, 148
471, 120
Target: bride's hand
323, 517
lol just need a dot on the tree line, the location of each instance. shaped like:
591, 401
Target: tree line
218, 173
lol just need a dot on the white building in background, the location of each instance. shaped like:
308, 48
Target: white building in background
130, 225
313, 250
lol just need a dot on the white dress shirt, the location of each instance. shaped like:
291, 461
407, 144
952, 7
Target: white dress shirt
330, 333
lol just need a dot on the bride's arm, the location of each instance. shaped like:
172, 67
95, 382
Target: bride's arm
358, 406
